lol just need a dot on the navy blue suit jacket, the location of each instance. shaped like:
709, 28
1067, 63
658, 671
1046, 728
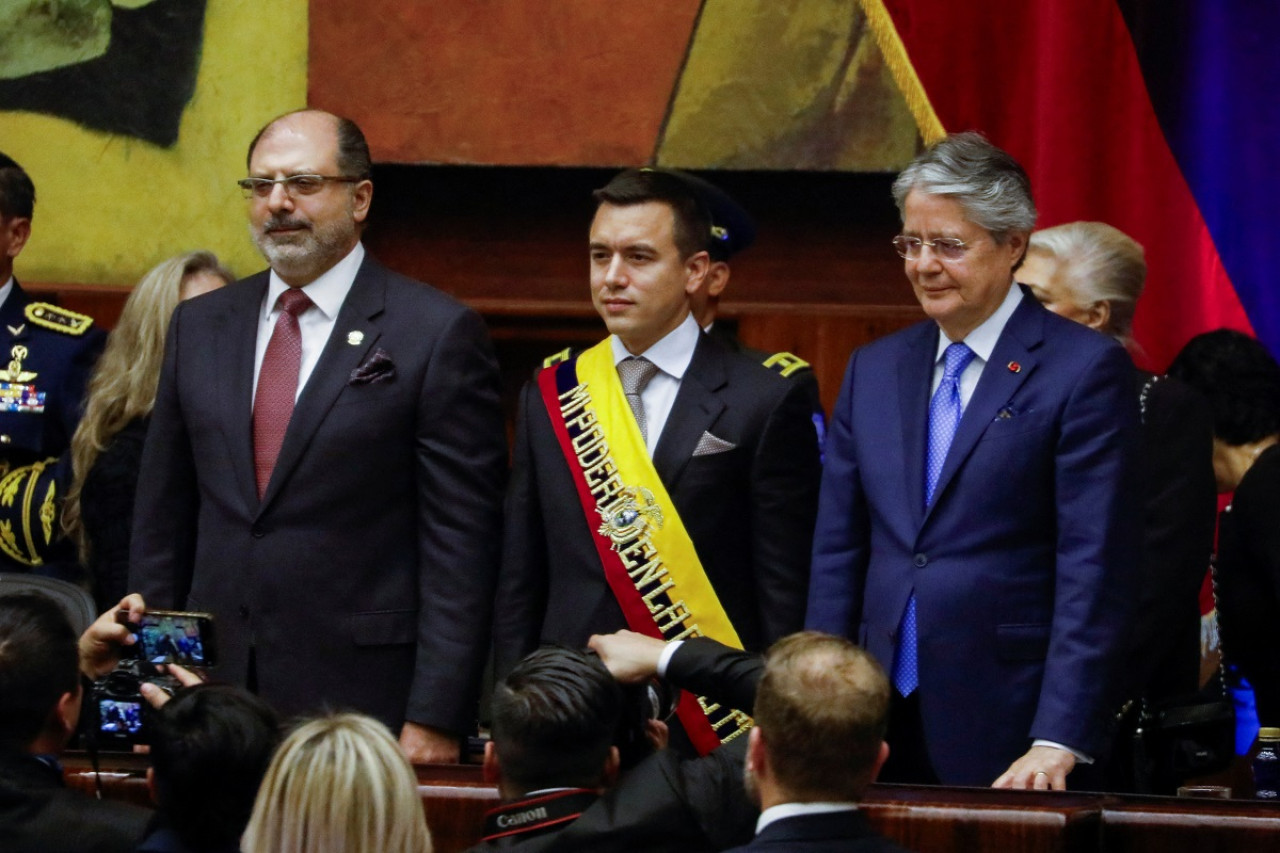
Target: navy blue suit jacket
1024, 566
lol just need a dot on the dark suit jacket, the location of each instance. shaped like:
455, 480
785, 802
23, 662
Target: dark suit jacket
1180, 505
1248, 576
1024, 567
364, 577
749, 511
834, 832
666, 803
38, 814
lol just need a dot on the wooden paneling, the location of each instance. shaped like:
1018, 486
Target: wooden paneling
941, 820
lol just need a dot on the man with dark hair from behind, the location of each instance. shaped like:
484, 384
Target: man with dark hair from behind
40, 700
211, 747
555, 758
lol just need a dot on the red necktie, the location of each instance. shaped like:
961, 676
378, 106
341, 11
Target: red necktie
277, 385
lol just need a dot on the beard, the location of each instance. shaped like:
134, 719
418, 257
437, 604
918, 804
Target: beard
305, 253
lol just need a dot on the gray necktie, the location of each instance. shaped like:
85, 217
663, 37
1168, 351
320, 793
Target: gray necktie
635, 373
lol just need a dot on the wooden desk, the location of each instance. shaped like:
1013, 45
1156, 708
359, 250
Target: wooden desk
938, 820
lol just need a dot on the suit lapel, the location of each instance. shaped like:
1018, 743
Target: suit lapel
915, 374
697, 406
1022, 334
236, 340
339, 357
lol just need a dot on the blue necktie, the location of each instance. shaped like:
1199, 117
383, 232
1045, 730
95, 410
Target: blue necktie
944, 416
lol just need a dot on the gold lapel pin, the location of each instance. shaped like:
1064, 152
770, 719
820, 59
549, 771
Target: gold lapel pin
354, 338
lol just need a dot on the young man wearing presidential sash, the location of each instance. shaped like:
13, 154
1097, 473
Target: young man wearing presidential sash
660, 482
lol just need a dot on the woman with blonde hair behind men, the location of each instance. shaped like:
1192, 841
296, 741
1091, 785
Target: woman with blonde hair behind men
106, 450
338, 784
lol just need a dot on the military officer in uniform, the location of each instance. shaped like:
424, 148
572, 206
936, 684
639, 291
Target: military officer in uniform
46, 355
732, 231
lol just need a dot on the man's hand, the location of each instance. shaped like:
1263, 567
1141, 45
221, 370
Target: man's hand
101, 642
157, 697
630, 657
1043, 768
427, 745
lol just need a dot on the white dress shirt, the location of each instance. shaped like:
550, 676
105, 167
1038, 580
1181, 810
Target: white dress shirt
5, 291
785, 810
982, 341
327, 293
671, 355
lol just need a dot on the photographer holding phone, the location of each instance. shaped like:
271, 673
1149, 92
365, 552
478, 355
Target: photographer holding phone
41, 693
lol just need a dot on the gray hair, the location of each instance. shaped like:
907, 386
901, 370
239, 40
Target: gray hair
1095, 263
993, 189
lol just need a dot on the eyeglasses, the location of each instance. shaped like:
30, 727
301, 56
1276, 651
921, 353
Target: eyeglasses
945, 248
294, 185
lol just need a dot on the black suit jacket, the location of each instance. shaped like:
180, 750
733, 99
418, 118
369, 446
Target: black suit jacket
666, 803
1180, 506
38, 814
834, 832
749, 511
364, 577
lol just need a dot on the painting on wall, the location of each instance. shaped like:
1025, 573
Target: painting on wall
735, 84
118, 66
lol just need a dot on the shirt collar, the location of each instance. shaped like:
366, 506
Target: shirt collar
982, 340
328, 291
6, 290
672, 354
785, 810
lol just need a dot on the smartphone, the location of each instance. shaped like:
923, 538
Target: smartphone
172, 636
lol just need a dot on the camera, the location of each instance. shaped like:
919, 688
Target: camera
121, 717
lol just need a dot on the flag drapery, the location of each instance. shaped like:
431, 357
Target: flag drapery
1157, 118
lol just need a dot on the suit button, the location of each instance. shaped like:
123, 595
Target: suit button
257, 532
244, 610
922, 560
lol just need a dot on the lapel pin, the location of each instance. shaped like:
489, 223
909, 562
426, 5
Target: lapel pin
17, 330
354, 338
1014, 367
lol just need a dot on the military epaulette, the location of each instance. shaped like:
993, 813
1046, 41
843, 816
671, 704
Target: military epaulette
58, 319
552, 360
785, 363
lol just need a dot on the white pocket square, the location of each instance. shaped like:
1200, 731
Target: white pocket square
709, 444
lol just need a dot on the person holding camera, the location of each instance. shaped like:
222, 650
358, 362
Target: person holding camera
41, 692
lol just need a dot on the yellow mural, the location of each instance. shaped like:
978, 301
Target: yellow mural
787, 84
110, 207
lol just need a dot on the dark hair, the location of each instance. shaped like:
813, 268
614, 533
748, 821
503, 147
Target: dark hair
554, 719
692, 227
354, 160
39, 662
17, 193
211, 748
822, 708
1241, 380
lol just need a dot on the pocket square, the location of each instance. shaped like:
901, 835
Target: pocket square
709, 444
378, 367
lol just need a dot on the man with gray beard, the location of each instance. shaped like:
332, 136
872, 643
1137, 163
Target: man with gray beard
325, 462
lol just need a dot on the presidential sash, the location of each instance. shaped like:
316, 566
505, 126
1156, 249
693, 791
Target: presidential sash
648, 558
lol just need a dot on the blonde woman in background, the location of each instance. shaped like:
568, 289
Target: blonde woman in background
338, 784
106, 450
1093, 273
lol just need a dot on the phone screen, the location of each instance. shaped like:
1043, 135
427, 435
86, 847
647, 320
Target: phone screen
181, 638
